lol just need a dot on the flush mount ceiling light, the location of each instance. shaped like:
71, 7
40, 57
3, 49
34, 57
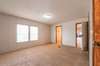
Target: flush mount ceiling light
47, 16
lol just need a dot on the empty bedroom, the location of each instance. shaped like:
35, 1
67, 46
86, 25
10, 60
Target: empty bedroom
44, 33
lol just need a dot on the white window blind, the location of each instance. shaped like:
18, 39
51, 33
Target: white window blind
22, 33
33, 33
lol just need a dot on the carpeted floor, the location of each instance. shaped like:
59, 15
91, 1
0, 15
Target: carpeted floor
45, 56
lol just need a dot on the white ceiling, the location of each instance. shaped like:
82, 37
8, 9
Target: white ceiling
61, 10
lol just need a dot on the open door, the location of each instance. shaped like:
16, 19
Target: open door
82, 35
85, 36
58, 36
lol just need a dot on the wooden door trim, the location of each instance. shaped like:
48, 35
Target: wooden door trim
93, 25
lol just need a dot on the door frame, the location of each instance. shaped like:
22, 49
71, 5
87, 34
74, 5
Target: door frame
93, 18
76, 34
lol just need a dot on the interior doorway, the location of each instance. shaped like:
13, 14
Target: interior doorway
79, 35
82, 35
58, 36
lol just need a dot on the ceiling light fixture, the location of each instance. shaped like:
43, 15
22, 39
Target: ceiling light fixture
47, 16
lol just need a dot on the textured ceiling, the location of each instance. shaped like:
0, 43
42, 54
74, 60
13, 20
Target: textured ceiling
61, 10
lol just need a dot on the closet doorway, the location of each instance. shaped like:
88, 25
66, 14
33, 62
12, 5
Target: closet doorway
58, 36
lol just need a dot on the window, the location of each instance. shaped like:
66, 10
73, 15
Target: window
26, 33
33, 33
22, 33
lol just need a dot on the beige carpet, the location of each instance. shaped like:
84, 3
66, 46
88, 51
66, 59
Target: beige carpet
44, 56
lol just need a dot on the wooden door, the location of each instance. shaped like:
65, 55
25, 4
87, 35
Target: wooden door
58, 36
85, 36
96, 14
96, 56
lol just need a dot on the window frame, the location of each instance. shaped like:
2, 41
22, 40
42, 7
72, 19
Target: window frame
28, 32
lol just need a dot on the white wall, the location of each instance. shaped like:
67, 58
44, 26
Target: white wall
68, 31
8, 33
